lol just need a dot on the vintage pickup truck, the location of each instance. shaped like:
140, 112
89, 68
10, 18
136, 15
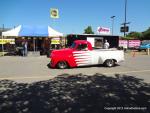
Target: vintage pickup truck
81, 53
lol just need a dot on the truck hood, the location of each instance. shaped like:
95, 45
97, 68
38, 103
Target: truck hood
63, 51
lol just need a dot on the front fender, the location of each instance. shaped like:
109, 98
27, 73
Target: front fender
68, 58
71, 61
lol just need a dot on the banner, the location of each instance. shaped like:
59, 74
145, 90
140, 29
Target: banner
55, 41
54, 13
4, 41
134, 43
103, 30
123, 43
129, 43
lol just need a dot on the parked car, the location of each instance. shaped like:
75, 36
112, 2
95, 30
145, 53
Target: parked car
143, 47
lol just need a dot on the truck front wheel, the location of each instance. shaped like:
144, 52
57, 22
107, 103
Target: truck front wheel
62, 65
109, 63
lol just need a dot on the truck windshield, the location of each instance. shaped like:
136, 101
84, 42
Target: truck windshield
73, 45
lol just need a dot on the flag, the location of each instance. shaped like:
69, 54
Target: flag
54, 13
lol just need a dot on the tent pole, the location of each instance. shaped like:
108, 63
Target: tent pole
2, 42
34, 43
2, 46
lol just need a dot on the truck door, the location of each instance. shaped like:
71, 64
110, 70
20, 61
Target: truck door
82, 55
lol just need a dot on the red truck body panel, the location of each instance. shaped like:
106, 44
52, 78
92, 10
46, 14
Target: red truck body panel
67, 54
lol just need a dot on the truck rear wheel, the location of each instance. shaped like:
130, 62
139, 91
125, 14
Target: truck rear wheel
109, 63
62, 65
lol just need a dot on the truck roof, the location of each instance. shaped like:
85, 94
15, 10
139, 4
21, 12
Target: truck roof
81, 41
84, 42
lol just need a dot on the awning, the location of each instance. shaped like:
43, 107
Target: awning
40, 31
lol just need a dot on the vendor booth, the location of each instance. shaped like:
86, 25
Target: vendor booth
39, 38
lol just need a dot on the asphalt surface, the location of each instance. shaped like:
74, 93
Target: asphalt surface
32, 69
76, 94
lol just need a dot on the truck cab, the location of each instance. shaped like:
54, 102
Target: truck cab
81, 45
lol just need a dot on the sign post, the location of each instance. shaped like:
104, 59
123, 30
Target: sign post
54, 14
148, 51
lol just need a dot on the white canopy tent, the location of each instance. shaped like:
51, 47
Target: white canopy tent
12, 32
32, 31
53, 33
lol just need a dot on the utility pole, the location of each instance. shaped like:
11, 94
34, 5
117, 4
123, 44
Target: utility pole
112, 17
125, 28
125, 18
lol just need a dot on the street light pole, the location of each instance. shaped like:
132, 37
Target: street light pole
125, 18
112, 17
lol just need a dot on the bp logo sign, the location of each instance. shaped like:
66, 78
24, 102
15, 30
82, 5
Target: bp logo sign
54, 13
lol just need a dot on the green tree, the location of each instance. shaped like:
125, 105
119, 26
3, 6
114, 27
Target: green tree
88, 30
146, 34
134, 35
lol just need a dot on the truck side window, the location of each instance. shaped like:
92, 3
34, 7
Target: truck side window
73, 45
82, 47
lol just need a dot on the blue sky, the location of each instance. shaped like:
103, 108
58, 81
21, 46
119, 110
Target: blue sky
76, 15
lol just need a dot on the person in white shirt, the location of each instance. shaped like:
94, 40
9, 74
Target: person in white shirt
106, 45
25, 48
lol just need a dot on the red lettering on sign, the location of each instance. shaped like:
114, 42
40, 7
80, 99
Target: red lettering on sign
103, 30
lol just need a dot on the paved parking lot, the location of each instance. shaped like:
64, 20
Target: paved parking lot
30, 69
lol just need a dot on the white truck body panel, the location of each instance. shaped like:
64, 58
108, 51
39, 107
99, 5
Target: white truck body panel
98, 56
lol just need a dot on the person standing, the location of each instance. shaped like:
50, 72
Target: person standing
25, 48
106, 45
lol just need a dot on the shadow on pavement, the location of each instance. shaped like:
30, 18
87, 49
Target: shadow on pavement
76, 94
48, 65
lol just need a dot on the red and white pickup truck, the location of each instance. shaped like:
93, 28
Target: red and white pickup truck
81, 53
